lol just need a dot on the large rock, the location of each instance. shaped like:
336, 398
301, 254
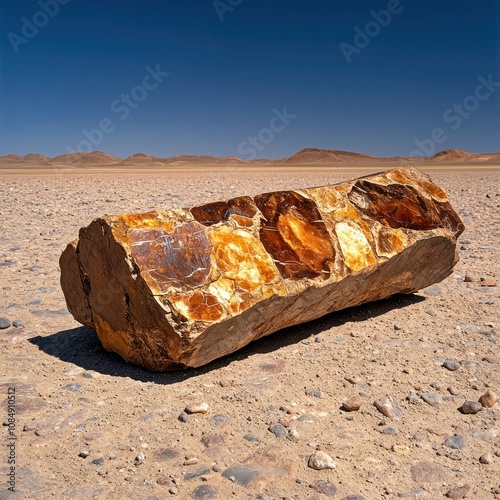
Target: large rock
180, 288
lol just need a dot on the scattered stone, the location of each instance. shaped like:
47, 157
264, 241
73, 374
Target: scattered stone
139, 459
212, 440
458, 492
455, 442
486, 458
353, 404
487, 281
388, 407
98, 461
317, 393
324, 487
278, 430
293, 434
471, 278
433, 290
437, 385
453, 391
307, 418
191, 461
451, 365
389, 431
320, 460
17, 323
225, 383
165, 454
84, 453
199, 473
353, 379
196, 408
183, 417
261, 468
72, 387
220, 420
413, 399
430, 472
205, 492
471, 407
432, 399
252, 438
5, 323
488, 399
400, 449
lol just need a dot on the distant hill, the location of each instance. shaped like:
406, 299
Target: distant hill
316, 155
455, 155
452, 154
306, 156
77, 159
35, 158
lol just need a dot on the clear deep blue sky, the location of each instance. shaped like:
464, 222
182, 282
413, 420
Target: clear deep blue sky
226, 77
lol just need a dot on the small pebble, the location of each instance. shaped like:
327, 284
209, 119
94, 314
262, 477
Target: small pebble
488, 399
455, 442
139, 459
451, 365
278, 430
324, 487
486, 458
353, 404
196, 408
320, 460
471, 407
84, 453
487, 281
17, 323
293, 434
4, 323
388, 408
183, 417
458, 492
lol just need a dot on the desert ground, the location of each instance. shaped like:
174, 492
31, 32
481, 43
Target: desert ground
88, 425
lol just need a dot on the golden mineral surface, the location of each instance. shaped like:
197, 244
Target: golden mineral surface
180, 288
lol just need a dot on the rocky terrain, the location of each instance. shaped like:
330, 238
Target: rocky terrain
364, 403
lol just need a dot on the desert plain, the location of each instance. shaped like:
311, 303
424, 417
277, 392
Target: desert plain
89, 425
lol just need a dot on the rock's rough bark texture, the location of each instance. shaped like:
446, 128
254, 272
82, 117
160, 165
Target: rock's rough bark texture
180, 288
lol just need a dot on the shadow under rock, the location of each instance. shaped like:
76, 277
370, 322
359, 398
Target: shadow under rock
82, 347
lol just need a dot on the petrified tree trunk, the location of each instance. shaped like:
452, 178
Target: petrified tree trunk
180, 288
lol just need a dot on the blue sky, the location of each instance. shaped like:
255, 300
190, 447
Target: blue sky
64, 84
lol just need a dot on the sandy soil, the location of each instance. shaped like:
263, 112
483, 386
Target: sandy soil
87, 425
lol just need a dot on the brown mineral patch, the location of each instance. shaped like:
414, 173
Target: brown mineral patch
293, 232
213, 213
171, 259
401, 206
198, 306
